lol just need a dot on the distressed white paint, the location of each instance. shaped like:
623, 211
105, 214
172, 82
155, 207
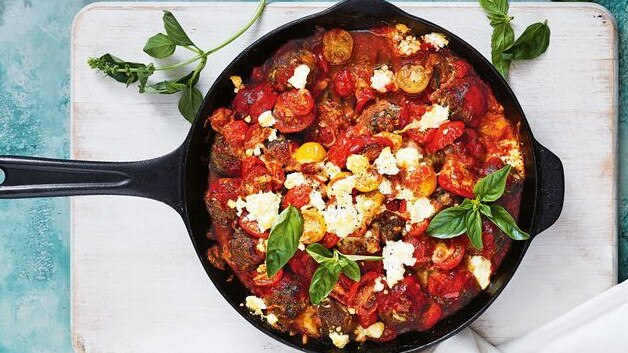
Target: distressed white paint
137, 285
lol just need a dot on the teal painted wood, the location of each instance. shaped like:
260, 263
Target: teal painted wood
34, 120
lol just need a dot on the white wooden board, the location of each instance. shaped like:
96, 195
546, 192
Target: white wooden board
137, 284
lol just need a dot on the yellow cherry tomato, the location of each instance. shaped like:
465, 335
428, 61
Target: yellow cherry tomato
314, 227
412, 78
368, 180
310, 152
396, 139
337, 46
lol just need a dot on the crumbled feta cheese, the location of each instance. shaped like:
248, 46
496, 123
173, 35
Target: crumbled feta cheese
396, 254
299, 77
262, 244
316, 200
294, 179
331, 170
404, 193
513, 156
434, 117
255, 151
237, 83
409, 45
386, 162
480, 267
263, 208
272, 318
437, 40
341, 186
420, 209
247, 119
379, 286
367, 205
341, 217
255, 304
381, 79
266, 119
357, 163
238, 204
408, 158
273, 135
374, 331
339, 340
385, 187
301, 246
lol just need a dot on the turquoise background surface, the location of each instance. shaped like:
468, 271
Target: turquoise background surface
34, 121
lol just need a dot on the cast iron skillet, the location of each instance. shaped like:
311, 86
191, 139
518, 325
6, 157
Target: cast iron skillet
179, 179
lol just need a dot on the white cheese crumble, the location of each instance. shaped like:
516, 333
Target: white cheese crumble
408, 158
385, 187
381, 79
238, 204
342, 186
331, 170
374, 331
294, 179
266, 119
247, 119
316, 200
409, 45
262, 244
379, 286
255, 304
386, 162
272, 318
435, 116
397, 254
273, 135
420, 209
437, 40
357, 163
263, 208
339, 340
237, 83
404, 193
299, 77
514, 156
255, 151
342, 217
480, 267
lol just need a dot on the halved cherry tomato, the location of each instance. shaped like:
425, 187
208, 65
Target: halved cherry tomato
329, 240
363, 94
461, 68
476, 101
225, 189
447, 256
362, 299
219, 118
430, 316
249, 163
276, 173
449, 285
257, 179
289, 123
422, 181
251, 228
421, 137
456, 177
235, 132
446, 134
255, 135
344, 83
297, 101
298, 196
423, 249
337, 45
313, 226
412, 78
341, 289
261, 278
254, 100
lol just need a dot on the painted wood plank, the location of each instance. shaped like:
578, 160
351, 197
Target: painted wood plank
136, 283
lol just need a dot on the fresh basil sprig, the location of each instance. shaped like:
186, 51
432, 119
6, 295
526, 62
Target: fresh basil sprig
162, 46
504, 48
467, 217
283, 241
331, 265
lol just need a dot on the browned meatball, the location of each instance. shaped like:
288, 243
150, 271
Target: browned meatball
282, 152
287, 299
381, 116
388, 226
224, 158
334, 315
282, 67
240, 252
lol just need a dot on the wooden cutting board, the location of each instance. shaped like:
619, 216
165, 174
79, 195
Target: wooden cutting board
137, 286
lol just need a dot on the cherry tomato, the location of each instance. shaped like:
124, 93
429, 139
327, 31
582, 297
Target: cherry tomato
313, 226
421, 137
375, 144
257, 179
235, 132
362, 299
446, 134
225, 189
341, 289
337, 45
402, 304
471, 143
251, 228
297, 101
344, 83
430, 316
249, 163
219, 118
276, 174
447, 256
303, 266
422, 181
298, 196
329, 240
256, 135
254, 100
412, 78
456, 177
476, 101
261, 278
462, 68
449, 285
363, 94
423, 249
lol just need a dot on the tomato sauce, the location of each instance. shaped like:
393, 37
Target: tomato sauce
369, 134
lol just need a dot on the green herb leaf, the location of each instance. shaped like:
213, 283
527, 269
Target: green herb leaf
175, 31
164, 87
362, 257
491, 187
323, 281
283, 240
474, 228
448, 223
532, 43
503, 37
352, 270
190, 102
485, 210
319, 253
495, 8
116, 68
159, 46
506, 223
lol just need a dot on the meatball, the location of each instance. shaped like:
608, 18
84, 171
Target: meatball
334, 315
240, 251
381, 116
388, 226
281, 68
225, 159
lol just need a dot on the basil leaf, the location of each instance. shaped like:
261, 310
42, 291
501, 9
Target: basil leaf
175, 31
362, 257
164, 87
466, 204
323, 281
190, 102
506, 223
159, 46
352, 270
485, 210
116, 68
502, 38
448, 223
283, 240
532, 43
319, 253
474, 228
491, 187
495, 8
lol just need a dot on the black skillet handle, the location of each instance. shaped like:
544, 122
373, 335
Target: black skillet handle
550, 188
158, 179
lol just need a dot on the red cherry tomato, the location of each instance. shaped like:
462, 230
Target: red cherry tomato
423, 249
289, 123
362, 299
456, 177
421, 137
430, 316
329, 240
225, 189
341, 289
297, 101
251, 228
462, 68
262, 280
249, 163
298, 196
277, 175
255, 100
447, 256
344, 83
235, 132
449, 285
257, 179
303, 266
363, 95
446, 134
476, 101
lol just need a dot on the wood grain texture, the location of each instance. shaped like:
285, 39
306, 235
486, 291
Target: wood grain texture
137, 285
